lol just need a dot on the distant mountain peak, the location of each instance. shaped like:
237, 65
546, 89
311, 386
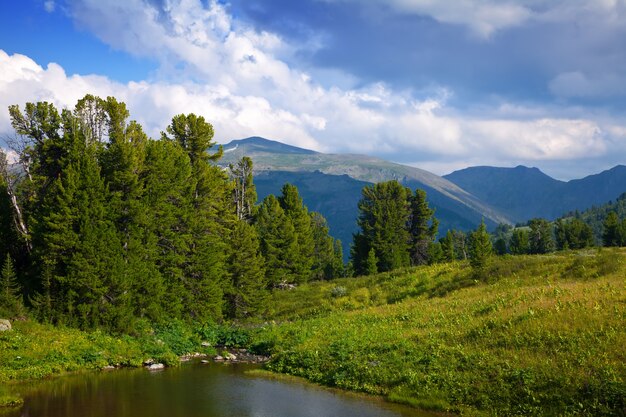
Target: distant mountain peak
257, 144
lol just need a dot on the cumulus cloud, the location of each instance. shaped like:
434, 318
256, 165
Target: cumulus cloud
234, 76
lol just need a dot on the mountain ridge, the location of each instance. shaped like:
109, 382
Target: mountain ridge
525, 193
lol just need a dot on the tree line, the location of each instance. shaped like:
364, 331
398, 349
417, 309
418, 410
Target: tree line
399, 229
102, 226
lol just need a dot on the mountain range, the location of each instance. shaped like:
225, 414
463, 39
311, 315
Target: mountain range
331, 184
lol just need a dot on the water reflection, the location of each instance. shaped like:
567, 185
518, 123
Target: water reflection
195, 390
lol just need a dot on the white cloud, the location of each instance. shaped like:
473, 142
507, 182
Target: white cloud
243, 88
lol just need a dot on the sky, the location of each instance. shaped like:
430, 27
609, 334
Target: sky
441, 85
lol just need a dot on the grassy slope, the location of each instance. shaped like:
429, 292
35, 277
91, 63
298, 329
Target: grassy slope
542, 335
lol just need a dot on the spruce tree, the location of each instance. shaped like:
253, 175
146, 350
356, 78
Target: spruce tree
298, 214
278, 242
168, 185
611, 235
371, 264
324, 255
422, 226
540, 237
247, 294
519, 242
11, 302
209, 218
480, 249
447, 247
384, 214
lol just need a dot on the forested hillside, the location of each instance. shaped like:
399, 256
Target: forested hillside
103, 226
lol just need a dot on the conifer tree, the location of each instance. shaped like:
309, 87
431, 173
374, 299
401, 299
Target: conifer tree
11, 302
384, 214
422, 226
611, 235
540, 237
298, 214
447, 247
209, 220
168, 186
247, 295
278, 242
480, 249
371, 264
519, 242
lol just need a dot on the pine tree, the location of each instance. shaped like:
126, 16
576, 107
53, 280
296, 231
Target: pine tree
208, 219
278, 242
371, 265
384, 214
247, 295
447, 247
295, 210
519, 242
480, 249
324, 253
540, 237
11, 302
611, 235
422, 226
168, 185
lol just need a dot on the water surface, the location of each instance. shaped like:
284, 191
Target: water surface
196, 390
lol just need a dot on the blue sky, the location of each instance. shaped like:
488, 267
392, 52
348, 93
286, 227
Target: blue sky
439, 85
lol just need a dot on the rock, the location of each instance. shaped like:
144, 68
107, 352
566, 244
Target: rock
205, 344
156, 366
148, 362
204, 361
218, 358
230, 357
5, 325
108, 368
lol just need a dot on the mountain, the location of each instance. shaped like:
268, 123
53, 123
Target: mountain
332, 183
524, 193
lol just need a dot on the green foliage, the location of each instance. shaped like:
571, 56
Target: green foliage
573, 234
611, 235
520, 244
304, 243
540, 237
384, 215
535, 340
247, 293
371, 265
11, 302
422, 227
480, 249
278, 241
454, 246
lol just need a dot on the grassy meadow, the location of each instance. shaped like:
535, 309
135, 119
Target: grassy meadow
535, 335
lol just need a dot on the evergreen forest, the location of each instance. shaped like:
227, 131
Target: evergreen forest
104, 227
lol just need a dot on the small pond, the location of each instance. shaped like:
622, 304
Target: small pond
196, 390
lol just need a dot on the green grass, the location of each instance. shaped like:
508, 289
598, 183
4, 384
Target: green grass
538, 335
